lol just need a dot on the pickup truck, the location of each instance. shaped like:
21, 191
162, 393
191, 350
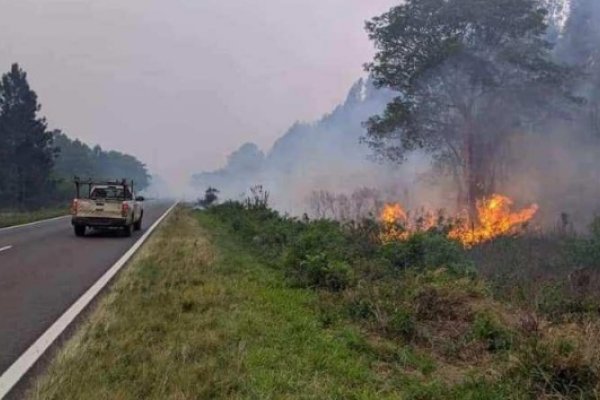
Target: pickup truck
107, 205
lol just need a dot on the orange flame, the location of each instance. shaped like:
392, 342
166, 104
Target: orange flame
393, 213
495, 218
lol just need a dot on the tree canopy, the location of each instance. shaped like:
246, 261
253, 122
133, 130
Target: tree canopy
26, 151
37, 164
469, 73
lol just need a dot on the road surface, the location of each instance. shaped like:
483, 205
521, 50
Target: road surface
44, 269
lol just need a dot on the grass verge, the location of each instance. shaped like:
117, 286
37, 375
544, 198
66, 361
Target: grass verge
196, 316
10, 218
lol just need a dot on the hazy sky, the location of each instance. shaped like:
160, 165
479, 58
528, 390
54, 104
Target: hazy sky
182, 83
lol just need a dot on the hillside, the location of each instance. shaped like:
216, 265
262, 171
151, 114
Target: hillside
324, 155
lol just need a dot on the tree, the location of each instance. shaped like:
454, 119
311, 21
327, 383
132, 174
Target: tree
469, 74
78, 159
26, 155
210, 197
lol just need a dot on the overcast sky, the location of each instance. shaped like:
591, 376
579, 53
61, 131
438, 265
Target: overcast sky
182, 83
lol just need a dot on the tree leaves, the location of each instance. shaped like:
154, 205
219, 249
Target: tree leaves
469, 73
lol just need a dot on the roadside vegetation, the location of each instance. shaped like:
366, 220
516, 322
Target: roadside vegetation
514, 318
8, 218
197, 315
238, 301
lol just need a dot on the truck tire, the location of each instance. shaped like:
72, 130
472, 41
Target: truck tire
138, 225
128, 230
79, 230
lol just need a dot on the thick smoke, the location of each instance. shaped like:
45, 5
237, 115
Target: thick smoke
323, 156
558, 166
554, 164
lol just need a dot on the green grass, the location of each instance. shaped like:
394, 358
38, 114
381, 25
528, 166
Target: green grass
11, 218
197, 317
204, 313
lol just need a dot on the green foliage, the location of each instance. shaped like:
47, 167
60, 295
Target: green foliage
423, 250
465, 80
36, 164
331, 255
556, 370
403, 323
75, 158
488, 329
421, 311
319, 256
26, 152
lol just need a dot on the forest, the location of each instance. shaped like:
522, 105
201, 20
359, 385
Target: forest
37, 164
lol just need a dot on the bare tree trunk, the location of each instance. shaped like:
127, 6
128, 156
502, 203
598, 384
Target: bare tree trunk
471, 172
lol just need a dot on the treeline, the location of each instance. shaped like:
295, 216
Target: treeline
78, 159
38, 164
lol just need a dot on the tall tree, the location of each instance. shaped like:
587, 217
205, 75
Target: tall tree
469, 74
27, 153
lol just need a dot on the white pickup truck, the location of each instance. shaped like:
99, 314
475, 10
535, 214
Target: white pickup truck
107, 205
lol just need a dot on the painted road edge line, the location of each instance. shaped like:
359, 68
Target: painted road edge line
41, 221
19, 368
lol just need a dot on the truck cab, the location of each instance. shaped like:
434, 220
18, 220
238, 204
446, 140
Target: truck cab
106, 205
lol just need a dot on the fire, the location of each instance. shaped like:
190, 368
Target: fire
399, 224
393, 213
394, 218
494, 218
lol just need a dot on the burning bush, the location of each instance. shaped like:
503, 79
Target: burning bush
494, 218
425, 314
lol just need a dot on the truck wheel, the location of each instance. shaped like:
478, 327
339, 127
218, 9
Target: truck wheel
128, 230
138, 225
79, 230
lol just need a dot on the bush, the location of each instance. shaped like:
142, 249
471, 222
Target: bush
320, 257
318, 271
488, 329
557, 370
423, 250
403, 323
586, 251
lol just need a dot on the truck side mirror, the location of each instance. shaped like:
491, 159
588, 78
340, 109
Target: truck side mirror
139, 198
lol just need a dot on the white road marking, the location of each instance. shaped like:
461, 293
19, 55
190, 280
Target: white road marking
5, 248
19, 368
43, 221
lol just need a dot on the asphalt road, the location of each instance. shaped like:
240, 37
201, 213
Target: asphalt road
44, 269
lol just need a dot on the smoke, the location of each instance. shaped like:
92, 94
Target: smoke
554, 164
557, 166
322, 156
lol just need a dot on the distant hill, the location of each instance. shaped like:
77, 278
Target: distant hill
324, 155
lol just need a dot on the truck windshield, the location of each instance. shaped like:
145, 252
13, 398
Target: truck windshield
109, 193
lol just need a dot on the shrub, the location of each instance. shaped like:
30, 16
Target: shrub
319, 256
488, 329
317, 270
586, 251
403, 323
557, 370
426, 249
